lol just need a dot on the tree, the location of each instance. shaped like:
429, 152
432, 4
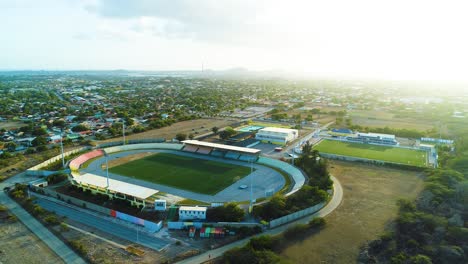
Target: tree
39, 131
10, 146
181, 136
39, 141
215, 130
59, 123
80, 128
191, 136
230, 212
227, 133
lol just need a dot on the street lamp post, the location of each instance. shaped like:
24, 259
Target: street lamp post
123, 130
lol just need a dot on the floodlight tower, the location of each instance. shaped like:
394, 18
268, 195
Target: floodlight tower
61, 148
107, 170
123, 130
251, 185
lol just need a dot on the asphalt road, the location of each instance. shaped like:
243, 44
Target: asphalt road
62, 250
329, 208
104, 224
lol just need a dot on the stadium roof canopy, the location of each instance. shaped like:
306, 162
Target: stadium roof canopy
221, 146
139, 192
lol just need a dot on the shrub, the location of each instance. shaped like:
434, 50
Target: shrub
51, 219
318, 222
295, 230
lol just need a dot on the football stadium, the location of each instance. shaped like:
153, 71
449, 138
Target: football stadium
201, 171
389, 154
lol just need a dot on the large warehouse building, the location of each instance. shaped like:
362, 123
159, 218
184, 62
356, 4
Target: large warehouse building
277, 135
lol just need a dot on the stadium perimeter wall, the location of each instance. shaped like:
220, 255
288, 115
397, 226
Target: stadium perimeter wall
294, 216
369, 161
172, 146
35, 170
149, 226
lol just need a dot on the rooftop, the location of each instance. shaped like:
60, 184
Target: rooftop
376, 135
278, 129
193, 208
221, 146
137, 191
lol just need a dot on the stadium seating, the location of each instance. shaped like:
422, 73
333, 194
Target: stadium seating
232, 155
204, 150
76, 163
190, 148
247, 158
217, 153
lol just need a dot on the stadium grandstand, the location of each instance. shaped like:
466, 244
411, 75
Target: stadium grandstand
373, 138
77, 162
135, 194
221, 150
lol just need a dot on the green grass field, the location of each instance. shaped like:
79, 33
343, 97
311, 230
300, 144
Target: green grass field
389, 154
192, 174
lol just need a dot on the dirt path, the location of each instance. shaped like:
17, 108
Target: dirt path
369, 203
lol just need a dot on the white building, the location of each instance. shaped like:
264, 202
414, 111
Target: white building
192, 213
276, 135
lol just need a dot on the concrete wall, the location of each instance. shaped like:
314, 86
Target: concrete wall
54, 159
149, 226
144, 146
294, 216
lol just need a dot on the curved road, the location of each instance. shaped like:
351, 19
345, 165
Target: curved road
330, 207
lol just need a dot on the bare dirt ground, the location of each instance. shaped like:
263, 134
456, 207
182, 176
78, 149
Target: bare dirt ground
369, 204
197, 127
19, 245
11, 125
104, 248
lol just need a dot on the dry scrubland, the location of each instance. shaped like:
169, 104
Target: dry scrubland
382, 119
186, 127
369, 203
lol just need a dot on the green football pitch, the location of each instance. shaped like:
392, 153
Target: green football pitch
375, 152
192, 174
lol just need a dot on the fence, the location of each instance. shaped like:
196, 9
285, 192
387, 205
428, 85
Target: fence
182, 225
369, 161
294, 216
149, 226
132, 141
45, 173
54, 159
143, 146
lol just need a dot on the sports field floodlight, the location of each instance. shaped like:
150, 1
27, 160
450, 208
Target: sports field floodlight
251, 185
61, 148
107, 169
123, 130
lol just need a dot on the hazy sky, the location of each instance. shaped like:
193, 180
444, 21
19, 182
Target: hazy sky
372, 38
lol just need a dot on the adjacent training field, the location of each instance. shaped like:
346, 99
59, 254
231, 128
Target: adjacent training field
374, 152
192, 174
